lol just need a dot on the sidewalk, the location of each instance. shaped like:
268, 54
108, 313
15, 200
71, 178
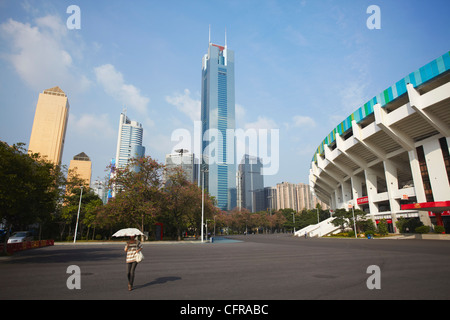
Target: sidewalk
94, 242
426, 236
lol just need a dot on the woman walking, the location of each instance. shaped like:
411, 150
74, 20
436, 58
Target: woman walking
132, 248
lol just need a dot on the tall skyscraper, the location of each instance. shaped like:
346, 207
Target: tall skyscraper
49, 126
250, 184
218, 115
129, 141
82, 166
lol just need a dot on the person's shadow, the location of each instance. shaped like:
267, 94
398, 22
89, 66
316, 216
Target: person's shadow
158, 281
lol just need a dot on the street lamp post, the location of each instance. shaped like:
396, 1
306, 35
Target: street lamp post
318, 218
354, 221
78, 216
293, 217
203, 199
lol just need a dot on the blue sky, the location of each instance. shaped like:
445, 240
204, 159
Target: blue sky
300, 66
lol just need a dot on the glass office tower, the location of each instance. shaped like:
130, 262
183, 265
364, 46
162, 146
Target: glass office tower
129, 141
218, 169
250, 184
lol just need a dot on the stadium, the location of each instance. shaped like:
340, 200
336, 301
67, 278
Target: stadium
390, 158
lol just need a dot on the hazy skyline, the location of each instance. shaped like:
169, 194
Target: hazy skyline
300, 67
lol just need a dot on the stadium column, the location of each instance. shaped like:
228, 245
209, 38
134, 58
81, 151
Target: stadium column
347, 194
418, 185
371, 184
357, 189
390, 170
338, 198
436, 170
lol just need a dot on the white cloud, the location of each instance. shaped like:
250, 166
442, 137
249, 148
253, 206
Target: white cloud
192, 107
186, 104
54, 25
92, 125
296, 37
302, 121
40, 54
239, 114
114, 85
261, 123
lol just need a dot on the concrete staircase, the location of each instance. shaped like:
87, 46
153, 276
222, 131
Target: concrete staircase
318, 230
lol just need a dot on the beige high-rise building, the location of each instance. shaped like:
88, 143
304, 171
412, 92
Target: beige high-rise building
82, 166
286, 196
296, 196
49, 126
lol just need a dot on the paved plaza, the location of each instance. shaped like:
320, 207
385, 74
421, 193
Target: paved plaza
256, 267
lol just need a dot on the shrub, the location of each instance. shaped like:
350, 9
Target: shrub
383, 227
422, 229
98, 237
340, 234
369, 232
408, 224
439, 229
366, 225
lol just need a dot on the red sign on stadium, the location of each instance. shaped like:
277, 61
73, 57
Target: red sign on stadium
362, 200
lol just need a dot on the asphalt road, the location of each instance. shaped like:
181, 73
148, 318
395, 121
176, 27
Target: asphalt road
258, 267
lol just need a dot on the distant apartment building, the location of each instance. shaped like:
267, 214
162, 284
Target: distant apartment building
296, 196
49, 126
286, 196
304, 196
185, 160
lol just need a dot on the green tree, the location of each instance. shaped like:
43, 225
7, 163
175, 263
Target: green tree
341, 218
306, 218
344, 218
289, 221
137, 195
240, 220
259, 220
143, 198
181, 202
30, 187
222, 220
383, 227
406, 225
88, 209
90, 214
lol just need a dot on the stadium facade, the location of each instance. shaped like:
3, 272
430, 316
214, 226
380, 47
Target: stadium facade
390, 157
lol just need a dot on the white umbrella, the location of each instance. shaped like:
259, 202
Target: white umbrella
128, 232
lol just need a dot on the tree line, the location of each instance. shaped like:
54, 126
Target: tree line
40, 196
37, 194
